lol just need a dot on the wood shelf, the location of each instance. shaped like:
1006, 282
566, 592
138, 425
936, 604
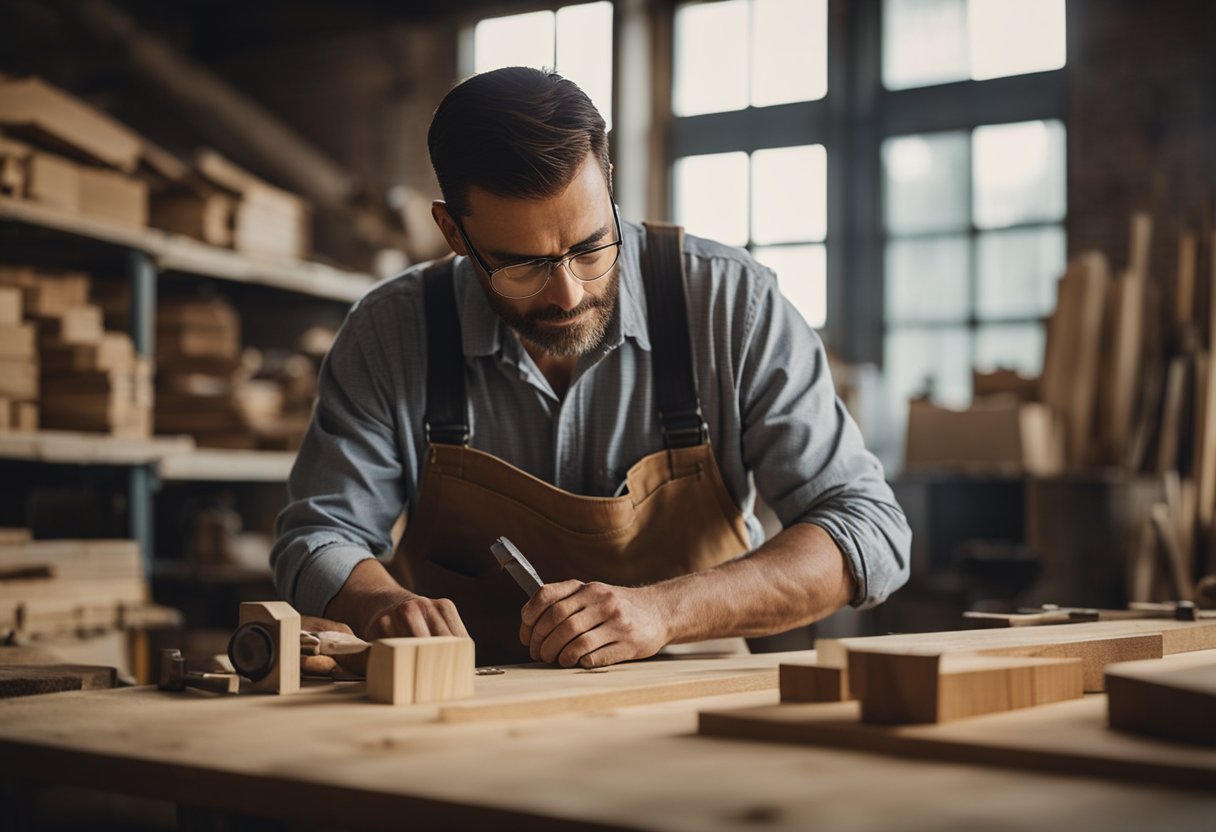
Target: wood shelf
218, 465
69, 447
173, 252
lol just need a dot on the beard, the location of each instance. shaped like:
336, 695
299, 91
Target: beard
564, 341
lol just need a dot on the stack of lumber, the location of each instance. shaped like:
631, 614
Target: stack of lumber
199, 350
220, 393
265, 220
60, 152
59, 587
80, 377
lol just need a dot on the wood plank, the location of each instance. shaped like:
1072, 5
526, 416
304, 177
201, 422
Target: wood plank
1062, 738
908, 688
1172, 700
27, 680
540, 690
813, 683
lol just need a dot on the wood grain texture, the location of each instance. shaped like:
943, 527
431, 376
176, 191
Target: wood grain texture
910, 688
283, 622
328, 757
409, 671
1172, 700
813, 683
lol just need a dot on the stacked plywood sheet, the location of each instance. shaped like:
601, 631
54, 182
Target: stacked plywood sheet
62, 153
265, 220
81, 377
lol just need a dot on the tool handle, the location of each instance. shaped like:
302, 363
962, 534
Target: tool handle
331, 643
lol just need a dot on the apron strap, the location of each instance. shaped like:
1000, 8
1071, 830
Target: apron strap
675, 383
446, 421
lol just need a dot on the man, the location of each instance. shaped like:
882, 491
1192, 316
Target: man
608, 397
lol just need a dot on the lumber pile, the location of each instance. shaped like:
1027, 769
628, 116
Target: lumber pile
224, 395
58, 151
59, 366
61, 587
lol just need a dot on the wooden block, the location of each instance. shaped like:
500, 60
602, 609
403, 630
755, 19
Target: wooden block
18, 342
30, 107
813, 683
112, 197
115, 352
283, 622
206, 217
1174, 701
52, 180
80, 325
10, 306
409, 671
908, 688
25, 416
18, 379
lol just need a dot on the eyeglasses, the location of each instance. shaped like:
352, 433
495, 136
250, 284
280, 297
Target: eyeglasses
530, 277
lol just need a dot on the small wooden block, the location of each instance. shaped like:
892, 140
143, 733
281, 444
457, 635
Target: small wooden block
18, 341
409, 671
10, 306
283, 622
1174, 700
18, 379
813, 683
908, 688
79, 325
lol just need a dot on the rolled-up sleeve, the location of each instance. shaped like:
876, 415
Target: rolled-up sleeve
806, 453
346, 488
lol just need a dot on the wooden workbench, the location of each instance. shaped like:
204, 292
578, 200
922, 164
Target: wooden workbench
328, 756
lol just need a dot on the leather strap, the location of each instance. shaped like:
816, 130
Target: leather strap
447, 421
667, 320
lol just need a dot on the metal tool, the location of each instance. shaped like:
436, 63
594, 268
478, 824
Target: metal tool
517, 566
174, 676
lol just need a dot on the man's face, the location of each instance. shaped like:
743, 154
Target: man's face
568, 317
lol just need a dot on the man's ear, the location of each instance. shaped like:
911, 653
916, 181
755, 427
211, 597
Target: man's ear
447, 226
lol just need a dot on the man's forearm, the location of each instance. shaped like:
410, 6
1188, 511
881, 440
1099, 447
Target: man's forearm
369, 590
797, 577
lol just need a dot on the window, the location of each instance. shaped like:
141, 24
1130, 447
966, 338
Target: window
576, 41
749, 164
929, 42
774, 202
736, 53
974, 246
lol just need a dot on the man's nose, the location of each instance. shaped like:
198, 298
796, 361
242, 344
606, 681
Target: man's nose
564, 289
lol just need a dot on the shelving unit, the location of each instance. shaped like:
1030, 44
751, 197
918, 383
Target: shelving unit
150, 254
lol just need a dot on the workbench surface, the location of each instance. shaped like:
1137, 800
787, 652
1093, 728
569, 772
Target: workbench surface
329, 756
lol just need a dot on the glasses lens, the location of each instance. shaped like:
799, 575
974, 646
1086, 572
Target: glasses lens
594, 264
522, 280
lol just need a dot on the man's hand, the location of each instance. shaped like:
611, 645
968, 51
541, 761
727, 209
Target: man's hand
415, 615
592, 624
376, 606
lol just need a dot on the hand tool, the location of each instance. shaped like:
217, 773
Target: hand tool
517, 566
173, 676
251, 648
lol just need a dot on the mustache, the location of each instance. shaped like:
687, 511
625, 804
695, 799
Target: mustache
556, 313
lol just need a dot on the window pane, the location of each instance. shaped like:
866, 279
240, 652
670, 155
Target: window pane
711, 58
937, 360
711, 196
926, 182
1018, 172
802, 273
1013, 37
516, 40
1018, 271
927, 279
584, 51
923, 42
789, 194
1009, 346
789, 51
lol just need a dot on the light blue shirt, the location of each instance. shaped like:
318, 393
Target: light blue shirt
775, 422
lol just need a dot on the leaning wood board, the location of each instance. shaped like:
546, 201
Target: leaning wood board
537, 690
1065, 737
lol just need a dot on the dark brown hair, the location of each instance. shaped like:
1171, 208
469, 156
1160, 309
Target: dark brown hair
515, 132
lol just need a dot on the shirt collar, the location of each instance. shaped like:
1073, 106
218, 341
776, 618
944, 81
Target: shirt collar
482, 332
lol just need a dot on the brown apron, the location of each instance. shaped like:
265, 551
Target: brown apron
677, 516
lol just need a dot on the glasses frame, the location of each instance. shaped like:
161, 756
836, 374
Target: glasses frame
552, 262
